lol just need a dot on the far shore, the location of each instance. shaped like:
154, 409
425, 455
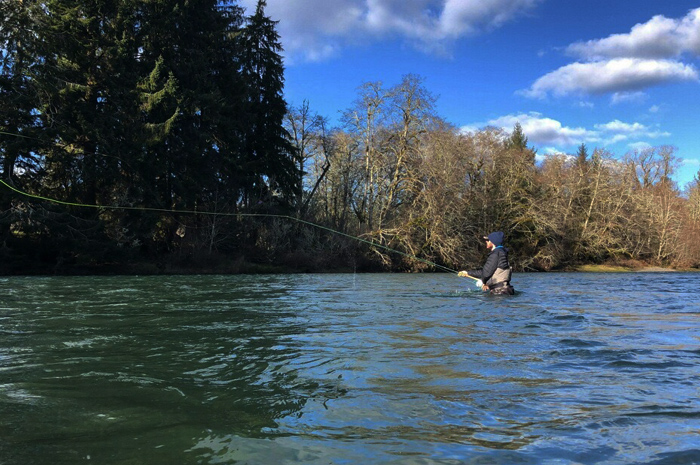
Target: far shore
619, 269
222, 266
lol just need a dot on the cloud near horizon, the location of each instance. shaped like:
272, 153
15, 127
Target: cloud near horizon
313, 30
625, 64
556, 137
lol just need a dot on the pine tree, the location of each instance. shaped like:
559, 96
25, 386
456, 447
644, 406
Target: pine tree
270, 156
191, 98
189, 103
18, 95
87, 75
18, 101
582, 158
518, 142
517, 139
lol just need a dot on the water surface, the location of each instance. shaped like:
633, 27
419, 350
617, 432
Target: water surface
350, 369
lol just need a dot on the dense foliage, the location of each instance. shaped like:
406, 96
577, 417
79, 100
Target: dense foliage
157, 109
395, 171
163, 104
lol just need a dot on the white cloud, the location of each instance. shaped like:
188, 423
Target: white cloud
620, 127
625, 64
654, 39
639, 146
311, 29
624, 97
658, 38
690, 29
469, 129
616, 75
552, 151
555, 137
468, 17
618, 131
404, 18
543, 131
317, 29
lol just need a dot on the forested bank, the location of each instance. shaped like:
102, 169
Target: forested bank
171, 115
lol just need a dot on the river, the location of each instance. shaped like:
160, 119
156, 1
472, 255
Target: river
576, 368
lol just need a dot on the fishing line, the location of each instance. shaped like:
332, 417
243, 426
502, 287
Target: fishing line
260, 215
19, 135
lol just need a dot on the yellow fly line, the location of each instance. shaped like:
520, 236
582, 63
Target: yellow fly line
260, 215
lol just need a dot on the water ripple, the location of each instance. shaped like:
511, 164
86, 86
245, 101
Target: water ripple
372, 369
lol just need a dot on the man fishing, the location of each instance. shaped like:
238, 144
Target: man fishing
496, 273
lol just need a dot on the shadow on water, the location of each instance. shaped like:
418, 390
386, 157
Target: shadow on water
318, 369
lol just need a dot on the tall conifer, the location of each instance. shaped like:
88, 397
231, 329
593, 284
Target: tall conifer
269, 152
18, 99
87, 75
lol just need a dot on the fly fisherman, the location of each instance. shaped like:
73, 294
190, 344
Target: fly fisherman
496, 273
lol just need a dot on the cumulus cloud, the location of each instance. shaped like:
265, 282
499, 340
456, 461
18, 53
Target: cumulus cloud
658, 38
544, 131
312, 29
468, 17
556, 137
316, 29
612, 76
625, 64
617, 131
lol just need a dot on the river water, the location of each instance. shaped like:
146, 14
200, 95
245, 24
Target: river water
576, 368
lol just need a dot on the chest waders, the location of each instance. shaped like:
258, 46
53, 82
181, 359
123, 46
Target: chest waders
499, 283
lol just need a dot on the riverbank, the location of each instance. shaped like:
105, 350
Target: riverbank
622, 269
241, 267
217, 264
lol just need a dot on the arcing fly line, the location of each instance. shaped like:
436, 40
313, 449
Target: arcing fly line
17, 135
261, 215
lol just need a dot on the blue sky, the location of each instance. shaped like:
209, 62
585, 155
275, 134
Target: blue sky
619, 75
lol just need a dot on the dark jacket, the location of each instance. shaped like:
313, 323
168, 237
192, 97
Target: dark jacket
496, 272
498, 258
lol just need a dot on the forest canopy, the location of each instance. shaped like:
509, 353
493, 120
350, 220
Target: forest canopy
171, 115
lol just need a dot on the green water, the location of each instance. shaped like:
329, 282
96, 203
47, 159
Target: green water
319, 369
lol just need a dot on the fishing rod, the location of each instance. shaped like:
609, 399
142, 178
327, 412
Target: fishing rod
478, 282
207, 213
464, 274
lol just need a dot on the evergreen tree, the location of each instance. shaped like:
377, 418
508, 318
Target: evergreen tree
582, 167
87, 74
190, 95
190, 105
517, 139
18, 96
270, 156
582, 158
518, 142
137, 96
18, 100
